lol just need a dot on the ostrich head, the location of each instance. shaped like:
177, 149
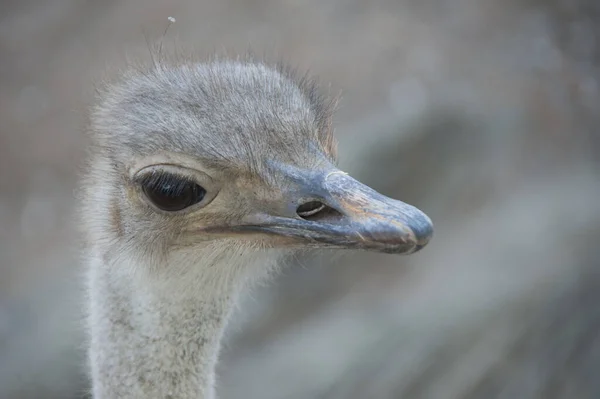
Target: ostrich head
228, 162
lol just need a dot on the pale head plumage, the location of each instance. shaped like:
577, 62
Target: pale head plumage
226, 124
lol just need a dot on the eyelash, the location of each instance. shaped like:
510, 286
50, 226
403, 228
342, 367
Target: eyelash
157, 180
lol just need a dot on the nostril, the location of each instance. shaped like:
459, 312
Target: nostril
310, 208
316, 210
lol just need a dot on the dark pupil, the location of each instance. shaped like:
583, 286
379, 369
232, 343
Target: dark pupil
173, 194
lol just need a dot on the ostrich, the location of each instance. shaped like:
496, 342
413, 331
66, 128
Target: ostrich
201, 178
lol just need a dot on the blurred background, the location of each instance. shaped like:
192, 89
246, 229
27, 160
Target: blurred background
483, 113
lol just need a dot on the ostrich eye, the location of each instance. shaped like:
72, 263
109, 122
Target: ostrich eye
171, 193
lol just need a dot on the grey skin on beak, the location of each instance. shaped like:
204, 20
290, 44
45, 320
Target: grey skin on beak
355, 217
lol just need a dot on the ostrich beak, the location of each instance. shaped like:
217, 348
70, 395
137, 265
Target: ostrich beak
354, 217
377, 223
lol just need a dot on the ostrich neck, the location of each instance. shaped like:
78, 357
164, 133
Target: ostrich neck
151, 338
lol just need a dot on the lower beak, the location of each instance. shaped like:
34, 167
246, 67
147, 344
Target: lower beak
355, 217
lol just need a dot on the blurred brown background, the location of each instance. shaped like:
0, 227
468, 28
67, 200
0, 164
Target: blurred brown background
484, 113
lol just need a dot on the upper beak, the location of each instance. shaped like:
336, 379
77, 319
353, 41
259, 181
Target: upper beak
356, 217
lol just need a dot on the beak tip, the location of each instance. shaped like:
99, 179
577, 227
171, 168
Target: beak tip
422, 229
